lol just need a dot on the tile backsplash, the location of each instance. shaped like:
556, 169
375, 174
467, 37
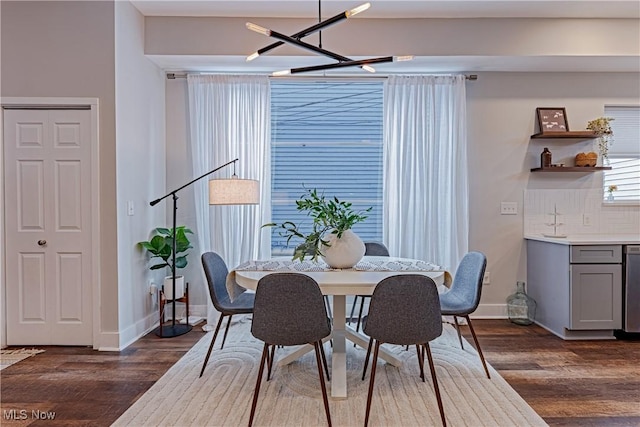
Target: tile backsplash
578, 212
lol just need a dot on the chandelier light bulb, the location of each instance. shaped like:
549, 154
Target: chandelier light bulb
369, 68
253, 56
403, 58
281, 73
358, 9
258, 29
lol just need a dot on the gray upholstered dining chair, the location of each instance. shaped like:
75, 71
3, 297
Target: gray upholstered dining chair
216, 271
289, 310
404, 310
371, 249
463, 297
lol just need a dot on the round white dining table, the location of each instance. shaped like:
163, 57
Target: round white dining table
339, 284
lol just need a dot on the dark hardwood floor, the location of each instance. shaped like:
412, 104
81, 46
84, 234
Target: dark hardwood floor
569, 383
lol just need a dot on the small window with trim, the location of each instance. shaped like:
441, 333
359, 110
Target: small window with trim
622, 182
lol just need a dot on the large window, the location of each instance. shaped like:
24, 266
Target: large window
624, 154
326, 135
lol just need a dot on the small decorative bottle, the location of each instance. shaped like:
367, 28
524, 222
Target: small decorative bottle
545, 158
521, 307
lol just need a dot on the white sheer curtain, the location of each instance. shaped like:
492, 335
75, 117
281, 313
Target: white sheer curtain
230, 118
425, 168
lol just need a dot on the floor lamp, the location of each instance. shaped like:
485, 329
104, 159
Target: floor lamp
230, 191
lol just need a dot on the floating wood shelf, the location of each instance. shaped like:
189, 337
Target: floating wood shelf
572, 169
576, 134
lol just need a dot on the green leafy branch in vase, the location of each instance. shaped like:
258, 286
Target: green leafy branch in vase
327, 214
602, 128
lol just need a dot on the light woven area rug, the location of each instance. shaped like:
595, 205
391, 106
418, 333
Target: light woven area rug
222, 397
9, 357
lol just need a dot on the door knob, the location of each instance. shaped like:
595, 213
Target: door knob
42, 242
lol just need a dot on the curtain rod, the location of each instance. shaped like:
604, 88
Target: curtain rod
173, 76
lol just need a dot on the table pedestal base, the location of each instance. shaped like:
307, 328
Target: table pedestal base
340, 334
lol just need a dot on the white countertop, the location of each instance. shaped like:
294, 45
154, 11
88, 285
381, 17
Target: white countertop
589, 239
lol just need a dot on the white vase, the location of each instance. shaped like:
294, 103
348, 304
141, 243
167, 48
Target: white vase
168, 287
344, 252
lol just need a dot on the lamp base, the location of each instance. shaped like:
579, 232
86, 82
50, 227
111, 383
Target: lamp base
170, 331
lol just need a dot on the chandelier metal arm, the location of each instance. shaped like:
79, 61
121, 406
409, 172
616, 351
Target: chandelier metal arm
308, 31
342, 64
286, 39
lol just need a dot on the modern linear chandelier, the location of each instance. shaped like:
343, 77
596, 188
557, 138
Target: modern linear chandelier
295, 40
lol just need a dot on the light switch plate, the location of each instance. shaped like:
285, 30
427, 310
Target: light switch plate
509, 208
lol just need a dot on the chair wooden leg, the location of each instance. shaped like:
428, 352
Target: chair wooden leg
213, 340
455, 322
318, 345
226, 331
366, 359
435, 384
263, 360
324, 361
270, 359
371, 381
420, 361
475, 339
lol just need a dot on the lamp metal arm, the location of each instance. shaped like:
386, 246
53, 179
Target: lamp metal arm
156, 201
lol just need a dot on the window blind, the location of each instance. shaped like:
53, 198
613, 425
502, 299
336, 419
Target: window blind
626, 131
327, 136
624, 153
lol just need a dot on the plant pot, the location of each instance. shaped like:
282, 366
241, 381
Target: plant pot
344, 252
168, 287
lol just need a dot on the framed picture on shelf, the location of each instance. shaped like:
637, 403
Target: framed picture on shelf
552, 119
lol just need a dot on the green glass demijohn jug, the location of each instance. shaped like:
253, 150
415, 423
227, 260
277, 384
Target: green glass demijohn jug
521, 307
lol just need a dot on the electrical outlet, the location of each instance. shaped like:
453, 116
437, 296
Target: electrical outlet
487, 278
586, 219
509, 208
130, 208
153, 289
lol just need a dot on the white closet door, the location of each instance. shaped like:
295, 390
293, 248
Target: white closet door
48, 226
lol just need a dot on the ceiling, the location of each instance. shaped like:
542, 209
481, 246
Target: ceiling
396, 8
401, 9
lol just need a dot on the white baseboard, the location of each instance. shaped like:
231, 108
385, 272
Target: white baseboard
109, 341
117, 341
491, 311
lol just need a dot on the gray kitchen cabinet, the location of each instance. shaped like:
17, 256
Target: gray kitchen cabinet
596, 296
578, 288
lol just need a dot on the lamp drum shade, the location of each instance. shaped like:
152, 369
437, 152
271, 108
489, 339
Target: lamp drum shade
234, 191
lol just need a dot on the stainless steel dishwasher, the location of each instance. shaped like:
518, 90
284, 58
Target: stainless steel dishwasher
631, 296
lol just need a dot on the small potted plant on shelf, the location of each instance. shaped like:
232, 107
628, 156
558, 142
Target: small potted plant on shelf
331, 236
602, 128
161, 246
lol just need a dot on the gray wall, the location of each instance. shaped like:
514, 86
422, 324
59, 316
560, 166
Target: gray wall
66, 49
501, 105
501, 117
501, 113
96, 49
140, 164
